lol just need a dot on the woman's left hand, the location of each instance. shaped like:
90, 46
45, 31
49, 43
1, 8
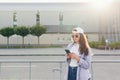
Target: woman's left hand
74, 56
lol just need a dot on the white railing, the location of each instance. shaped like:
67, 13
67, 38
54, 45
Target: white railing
59, 69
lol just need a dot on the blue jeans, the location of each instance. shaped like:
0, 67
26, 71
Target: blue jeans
72, 73
89, 79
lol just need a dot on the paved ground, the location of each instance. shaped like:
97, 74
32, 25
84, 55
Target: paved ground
44, 71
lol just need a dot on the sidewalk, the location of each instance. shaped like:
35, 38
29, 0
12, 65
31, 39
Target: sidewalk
43, 71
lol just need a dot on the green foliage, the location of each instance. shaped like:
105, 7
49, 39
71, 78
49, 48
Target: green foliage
22, 31
94, 44
115, 45
103, 40
32, 46
37, 30
7, 31
99, 45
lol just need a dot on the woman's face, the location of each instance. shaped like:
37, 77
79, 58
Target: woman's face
76, 37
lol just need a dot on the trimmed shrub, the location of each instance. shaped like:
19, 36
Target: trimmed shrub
94, 44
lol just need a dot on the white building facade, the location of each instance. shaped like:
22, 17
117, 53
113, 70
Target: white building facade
95, 23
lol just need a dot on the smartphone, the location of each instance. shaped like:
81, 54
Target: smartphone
67, 51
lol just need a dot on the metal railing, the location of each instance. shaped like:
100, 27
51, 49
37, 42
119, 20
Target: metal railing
57, 61
101, 61
34, 61
54, 54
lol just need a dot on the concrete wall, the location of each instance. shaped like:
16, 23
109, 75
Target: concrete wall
44, 39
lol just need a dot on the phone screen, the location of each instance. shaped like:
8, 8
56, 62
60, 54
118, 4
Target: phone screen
67, 51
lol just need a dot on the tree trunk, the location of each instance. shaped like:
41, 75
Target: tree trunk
7, 42
22, 41
38, 41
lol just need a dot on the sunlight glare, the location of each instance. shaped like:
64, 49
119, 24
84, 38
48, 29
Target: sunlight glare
101, 4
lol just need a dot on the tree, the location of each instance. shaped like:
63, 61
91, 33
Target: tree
103, 40
37, 30
7, 32
22, 31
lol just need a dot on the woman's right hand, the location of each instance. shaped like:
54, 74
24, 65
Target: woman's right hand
68, 56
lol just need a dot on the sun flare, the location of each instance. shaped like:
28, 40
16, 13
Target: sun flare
101, 4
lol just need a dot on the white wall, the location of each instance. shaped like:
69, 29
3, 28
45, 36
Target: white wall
44, 39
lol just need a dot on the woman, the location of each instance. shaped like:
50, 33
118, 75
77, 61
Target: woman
79, 57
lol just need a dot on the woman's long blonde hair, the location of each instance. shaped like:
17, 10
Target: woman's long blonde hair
84, 46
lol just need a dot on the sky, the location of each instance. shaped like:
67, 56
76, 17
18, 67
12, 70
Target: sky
81, 17
43, 1
50, 1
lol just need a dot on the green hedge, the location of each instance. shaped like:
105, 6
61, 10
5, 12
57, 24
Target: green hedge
94, 44
115, 45
100, 45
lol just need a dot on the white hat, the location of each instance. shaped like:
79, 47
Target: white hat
77, 30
